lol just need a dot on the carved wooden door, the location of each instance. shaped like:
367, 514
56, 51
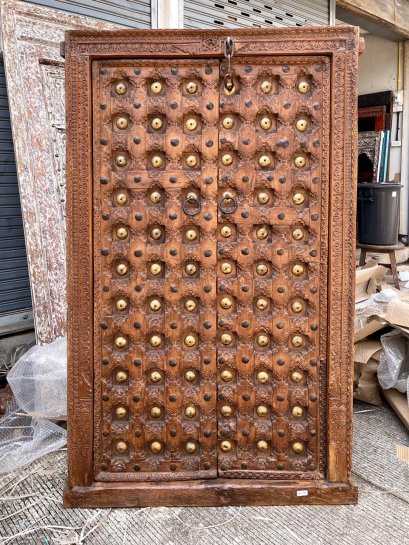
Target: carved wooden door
210, 253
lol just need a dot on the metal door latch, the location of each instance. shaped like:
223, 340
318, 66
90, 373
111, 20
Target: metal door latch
228, 53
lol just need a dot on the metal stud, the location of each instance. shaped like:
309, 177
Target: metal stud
120, 412
157, 161
297, 306
120, 88
191, 268
226, 411
191, 124
261, 303
156, 233
156, 123
262, 233
190, 305
262, 410
155, 377
297, 377
297, 270
298, 198
190, 375
190, 340
262, 340
121, 447
226, 446
155, 341
121, 304
226, 375
191, 161
300, 161
265, 123
297, 411
297, 341
263, 197
120, 342
120, 160
190, 447
264, 161
226, 268
303, 87
121, 199
227, 159
191, 87
121, 269
122, 233
121, 376
155, 269
155, 412
228, 122
155, 305
226, 303
262, 377
302, 125
262, 446
155, 197
190, 411
298, 448
262, 269
297, 234
226, 339
156, 447
191, 234
226, 231
156, 87
266, 86
122, 123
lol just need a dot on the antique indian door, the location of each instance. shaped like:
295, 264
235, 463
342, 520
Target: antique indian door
209, 355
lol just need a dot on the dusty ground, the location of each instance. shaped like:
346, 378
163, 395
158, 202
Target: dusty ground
31, 506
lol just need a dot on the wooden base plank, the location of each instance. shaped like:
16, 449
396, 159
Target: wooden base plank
215, 492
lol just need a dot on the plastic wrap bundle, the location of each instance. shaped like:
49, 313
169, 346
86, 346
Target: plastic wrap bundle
393, 370
39, 384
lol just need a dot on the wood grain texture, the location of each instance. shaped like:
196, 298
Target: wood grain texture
281, 375
31, 37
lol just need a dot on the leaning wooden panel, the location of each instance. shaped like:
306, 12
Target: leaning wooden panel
272, 338
31, 40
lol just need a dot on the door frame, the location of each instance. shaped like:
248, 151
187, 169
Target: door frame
341, 44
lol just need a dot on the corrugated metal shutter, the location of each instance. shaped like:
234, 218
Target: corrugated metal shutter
132, 13
255, 13
15, 294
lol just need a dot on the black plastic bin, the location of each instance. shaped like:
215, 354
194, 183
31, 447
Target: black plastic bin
378, 214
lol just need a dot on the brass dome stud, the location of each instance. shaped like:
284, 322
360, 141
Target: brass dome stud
226, 446
155, 305
264, 161
156, 161
120, 160
297, 411
266, 87
226, 303
226, 339
262, 410
190, 305
155, 341
263, 197
262, 340
261, 303
156, 233
191, 161
121, 269
262, 269
120, 412
297, 306
262, 233
226, 268
191, 87
155, 269
121, 376
191, 124
121, 123
190, 340
302, 125
265, 123
156, 447
156, 123
298, 198
155, 197
226, 231
226, 375
121, 447
191, 269
297, 341
297, 233
262, 377
298, 448
190, 447
262, 446
228, 122
155, 377
190, 375
120, 342
190, 411
297, 270
122, 233
121, 304
155, 412
121, 199
191, 235
227, 159
297, 377
120, 88
226, 411
303, 87
300, 161
156, 87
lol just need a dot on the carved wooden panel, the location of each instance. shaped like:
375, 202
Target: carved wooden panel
31, 38
219, 231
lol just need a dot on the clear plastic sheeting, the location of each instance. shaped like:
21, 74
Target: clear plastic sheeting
39, 380
39, 383
393, 370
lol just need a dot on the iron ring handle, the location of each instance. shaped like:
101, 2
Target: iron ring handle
194, 211
232, 208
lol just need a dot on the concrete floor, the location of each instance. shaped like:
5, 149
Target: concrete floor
31, 508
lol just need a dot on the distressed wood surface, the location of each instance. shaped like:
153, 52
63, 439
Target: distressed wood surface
31, 38
124, 362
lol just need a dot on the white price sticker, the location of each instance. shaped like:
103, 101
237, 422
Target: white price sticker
302, 493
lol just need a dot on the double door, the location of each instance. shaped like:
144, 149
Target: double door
210, 268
